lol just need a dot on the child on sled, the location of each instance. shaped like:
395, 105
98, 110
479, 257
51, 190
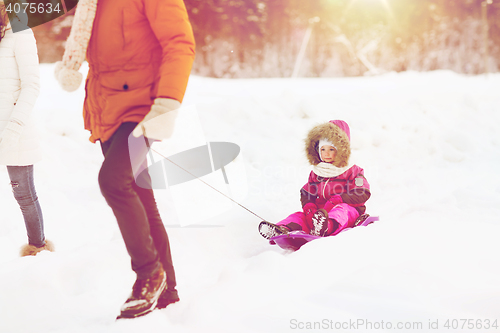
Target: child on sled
336, 192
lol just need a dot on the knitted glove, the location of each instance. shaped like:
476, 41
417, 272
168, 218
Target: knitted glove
10, 135
309, 209
332, 202
159, 122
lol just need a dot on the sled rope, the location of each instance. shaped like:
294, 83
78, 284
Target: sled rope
204, 182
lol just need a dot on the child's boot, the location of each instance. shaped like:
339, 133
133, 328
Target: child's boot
269, 230
322, 224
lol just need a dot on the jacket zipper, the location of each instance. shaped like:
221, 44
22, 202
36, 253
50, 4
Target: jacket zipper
324, 188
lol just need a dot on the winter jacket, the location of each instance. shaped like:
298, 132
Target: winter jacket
19, 89
351, 185
139, 50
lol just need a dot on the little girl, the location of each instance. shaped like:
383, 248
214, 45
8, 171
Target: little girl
336, 191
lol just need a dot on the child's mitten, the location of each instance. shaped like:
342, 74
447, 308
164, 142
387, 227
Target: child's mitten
309, 209
332, 202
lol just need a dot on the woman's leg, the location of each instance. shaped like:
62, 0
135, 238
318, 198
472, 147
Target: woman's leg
23, 186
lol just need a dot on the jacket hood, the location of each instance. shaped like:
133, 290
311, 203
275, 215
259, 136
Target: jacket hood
335, 131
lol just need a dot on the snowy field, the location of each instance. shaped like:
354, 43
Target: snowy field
430, 147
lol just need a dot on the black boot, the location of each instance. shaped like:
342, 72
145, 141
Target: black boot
145, 294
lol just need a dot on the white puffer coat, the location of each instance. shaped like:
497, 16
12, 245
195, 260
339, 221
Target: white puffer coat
19, 89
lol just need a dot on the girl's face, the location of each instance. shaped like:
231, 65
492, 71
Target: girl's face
328, 153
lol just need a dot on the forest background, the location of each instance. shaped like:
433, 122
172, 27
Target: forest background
264, 38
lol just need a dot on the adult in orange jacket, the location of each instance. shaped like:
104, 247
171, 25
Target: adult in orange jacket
140, 54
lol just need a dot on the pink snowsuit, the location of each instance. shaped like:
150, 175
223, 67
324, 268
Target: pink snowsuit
343, 196
352, 187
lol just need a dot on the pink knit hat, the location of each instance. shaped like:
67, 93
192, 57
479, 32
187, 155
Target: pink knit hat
343, 126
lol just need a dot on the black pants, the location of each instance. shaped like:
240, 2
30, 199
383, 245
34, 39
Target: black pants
134, 207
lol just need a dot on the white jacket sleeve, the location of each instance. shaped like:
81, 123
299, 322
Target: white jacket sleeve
26, 55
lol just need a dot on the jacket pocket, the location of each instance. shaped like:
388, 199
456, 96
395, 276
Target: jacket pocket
126, 93
123, 81
134, 25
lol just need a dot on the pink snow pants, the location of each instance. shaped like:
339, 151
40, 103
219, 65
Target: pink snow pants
344, 214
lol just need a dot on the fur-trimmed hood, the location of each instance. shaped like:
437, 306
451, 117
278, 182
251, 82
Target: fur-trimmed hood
335, 131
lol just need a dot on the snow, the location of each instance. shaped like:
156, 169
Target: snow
429, 145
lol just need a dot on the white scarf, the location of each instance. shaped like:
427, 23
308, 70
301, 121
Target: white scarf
328, 170
66, 71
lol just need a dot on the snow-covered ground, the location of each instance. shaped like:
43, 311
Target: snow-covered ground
430, 147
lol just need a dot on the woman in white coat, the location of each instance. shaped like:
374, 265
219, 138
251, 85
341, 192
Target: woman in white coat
19, 89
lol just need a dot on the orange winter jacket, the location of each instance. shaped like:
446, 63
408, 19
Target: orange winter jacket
138, 50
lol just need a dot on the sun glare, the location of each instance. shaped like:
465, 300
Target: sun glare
387, 6
385, 3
